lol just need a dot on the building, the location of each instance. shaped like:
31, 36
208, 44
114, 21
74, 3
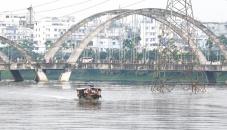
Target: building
50, 28
105, 43
149, 31
216, 27
14, 27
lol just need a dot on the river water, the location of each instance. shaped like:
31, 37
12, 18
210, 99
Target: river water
123, 106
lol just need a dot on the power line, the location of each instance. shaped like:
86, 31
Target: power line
33, 6
86, 8
96, 5
100, 4
46, 3
62, 7
133, 4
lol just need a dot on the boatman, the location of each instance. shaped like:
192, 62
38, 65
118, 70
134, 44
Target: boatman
89, 91
96, 91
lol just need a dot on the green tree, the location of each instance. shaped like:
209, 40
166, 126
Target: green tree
223, 39
136, 39
11, 52
48, 43
103, 55
90, 43
116, 54
127, 44
28, 46
209, 43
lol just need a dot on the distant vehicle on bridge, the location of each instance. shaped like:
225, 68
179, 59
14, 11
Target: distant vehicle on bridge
86, 59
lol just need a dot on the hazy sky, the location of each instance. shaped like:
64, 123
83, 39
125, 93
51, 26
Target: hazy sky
204, 10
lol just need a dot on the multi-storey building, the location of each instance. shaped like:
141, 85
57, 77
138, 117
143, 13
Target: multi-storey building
50, 28
105, 43
218, 28
149, 31
14, 27
109, 38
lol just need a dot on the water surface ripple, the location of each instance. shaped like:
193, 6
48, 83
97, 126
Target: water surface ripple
38, 106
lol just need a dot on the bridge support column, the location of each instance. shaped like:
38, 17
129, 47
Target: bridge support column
16, 75
65, 75
210, 77
40, 76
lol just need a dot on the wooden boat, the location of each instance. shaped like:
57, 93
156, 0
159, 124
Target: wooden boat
87, 92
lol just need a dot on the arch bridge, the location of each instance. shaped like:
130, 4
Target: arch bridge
157, 14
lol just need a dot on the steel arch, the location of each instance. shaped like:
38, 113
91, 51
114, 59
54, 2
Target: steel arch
160, 12
60, 40
76, 53
19, 48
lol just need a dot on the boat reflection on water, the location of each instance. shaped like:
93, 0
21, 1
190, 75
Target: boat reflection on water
90, 105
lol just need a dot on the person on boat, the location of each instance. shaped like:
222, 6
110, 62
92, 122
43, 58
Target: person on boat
97, 91
89, 92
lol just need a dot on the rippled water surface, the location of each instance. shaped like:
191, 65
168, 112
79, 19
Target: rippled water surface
55, 106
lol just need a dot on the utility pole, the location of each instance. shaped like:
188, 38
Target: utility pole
31, 17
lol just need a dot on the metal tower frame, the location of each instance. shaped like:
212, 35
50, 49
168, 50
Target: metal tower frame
183, 7
168, 38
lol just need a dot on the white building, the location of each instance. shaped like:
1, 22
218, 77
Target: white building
14, 27
201, 39
109, 38
103, 44
216, 27
50, 29
9, 19
149, 31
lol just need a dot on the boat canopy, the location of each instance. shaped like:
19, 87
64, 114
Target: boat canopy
80, 89
86, 85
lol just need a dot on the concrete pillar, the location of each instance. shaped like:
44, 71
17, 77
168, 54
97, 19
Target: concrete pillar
40, 76
64, 77
210, 76
16, 75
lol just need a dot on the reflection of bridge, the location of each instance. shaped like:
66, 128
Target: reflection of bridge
157, 14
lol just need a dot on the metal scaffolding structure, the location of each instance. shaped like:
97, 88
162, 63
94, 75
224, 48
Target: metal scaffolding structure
169, 52
183, 7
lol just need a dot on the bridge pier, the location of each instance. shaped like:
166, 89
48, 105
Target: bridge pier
40, 76
210, 76
65, 75
16, 75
